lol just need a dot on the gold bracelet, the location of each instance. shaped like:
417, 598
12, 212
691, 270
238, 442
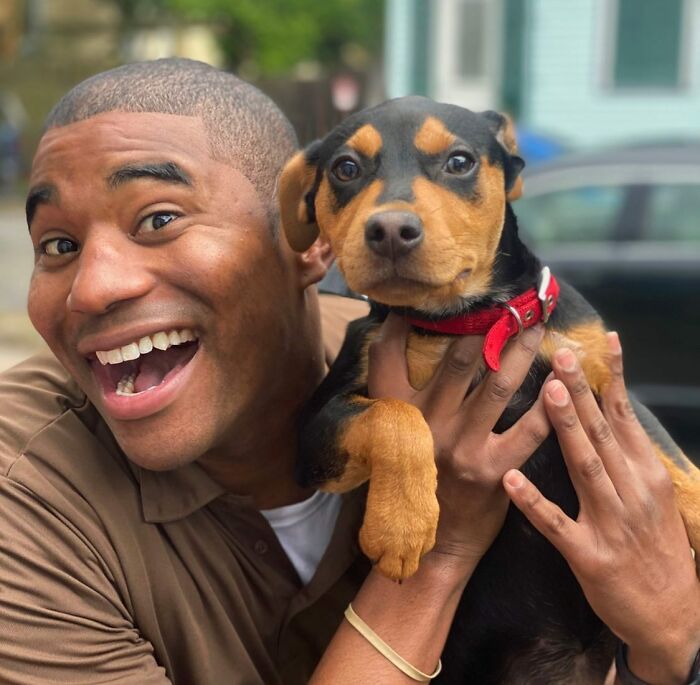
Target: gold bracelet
387, 652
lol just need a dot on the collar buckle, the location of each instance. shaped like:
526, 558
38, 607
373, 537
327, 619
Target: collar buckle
543, 282
516, 315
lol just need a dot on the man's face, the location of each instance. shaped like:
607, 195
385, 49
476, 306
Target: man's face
142, 242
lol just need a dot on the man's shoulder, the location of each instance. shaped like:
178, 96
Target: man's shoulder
52, 440
336, 313
33, 397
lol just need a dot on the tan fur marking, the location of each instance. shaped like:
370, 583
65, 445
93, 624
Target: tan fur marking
454, 260
588, 342
391, 442
433, 137
295, 181
423, 355
516, 192
357, 468
506, 135
687, 488
366, 140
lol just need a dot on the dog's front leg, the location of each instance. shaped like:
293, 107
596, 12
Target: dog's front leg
389, 442
402, 510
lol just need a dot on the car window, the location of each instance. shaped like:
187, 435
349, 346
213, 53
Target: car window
674, 213
585, 214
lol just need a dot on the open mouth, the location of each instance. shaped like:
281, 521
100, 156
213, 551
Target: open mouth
144, 364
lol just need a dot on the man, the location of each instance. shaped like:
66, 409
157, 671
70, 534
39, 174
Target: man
132, 544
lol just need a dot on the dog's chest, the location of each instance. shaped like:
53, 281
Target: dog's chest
423, 355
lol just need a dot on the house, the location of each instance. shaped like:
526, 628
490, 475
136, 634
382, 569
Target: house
586, 72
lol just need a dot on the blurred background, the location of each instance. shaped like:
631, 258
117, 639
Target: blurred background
605, 93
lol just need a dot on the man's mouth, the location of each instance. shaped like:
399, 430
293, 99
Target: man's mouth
144, 363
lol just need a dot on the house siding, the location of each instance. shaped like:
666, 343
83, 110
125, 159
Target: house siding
567, 92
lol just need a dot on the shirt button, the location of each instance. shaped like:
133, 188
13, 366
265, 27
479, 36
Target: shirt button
260, 547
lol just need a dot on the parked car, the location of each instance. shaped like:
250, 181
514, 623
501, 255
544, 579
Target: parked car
623, 227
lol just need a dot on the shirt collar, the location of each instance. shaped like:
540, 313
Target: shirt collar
173, 495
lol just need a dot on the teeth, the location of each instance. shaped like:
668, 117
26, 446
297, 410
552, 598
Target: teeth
115, 356
160, 341
126, 385
130, 351
145, 345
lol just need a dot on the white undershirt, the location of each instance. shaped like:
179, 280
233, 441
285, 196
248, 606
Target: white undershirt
304, 530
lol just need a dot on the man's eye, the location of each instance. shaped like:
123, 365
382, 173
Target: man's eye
156, 221
55, 247
459, 163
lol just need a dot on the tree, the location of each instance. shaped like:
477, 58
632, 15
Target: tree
275, 35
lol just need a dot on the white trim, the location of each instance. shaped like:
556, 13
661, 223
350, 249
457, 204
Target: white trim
609, 14
446, 82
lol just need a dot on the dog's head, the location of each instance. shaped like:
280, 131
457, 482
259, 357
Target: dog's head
411, 196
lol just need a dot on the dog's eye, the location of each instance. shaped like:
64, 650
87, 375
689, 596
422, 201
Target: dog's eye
459, 163
346, 169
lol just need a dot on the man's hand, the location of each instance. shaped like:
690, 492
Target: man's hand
628, 548
471, 458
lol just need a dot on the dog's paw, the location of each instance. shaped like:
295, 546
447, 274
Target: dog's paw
395, 536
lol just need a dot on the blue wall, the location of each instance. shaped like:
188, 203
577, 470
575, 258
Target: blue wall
565, 93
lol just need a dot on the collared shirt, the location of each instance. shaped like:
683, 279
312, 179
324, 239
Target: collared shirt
110, 573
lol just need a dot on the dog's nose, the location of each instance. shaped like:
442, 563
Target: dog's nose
393, 234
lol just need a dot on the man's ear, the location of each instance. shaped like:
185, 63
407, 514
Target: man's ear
297, 189
503, 129
315, 261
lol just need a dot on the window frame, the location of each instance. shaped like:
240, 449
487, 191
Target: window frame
637, 179
610, 10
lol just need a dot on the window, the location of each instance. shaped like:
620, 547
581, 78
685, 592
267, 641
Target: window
583, 215
674, 213
647, 49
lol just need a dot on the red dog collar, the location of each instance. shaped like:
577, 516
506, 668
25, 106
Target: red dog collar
502, 322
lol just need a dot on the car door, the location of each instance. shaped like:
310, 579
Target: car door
629, 241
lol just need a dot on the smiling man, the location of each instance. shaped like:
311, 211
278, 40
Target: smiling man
151, 531
190, 339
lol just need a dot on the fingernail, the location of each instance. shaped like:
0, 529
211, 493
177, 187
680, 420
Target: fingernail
557, 393
566, 359
614, 342
514, 479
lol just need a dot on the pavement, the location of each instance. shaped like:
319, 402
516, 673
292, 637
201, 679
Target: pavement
18, 339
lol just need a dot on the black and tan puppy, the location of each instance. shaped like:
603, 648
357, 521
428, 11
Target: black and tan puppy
413, 197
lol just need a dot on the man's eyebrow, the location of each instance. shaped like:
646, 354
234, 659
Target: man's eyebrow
39, 195
160, 171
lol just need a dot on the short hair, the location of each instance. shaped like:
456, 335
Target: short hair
245, 128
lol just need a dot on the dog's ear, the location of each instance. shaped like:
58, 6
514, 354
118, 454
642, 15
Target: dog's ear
503, 129
297, 190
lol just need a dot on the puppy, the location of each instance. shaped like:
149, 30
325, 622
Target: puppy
414, 198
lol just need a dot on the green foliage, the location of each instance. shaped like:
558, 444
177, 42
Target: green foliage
275, 35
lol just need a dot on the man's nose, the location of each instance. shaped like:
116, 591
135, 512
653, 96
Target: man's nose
111, 269
393, 234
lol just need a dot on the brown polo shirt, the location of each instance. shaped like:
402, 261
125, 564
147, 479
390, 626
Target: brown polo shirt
113, 574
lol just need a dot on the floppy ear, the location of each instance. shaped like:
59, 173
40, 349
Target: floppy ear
297, 188
503, 129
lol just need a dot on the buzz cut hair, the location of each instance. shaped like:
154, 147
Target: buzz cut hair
244, 127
